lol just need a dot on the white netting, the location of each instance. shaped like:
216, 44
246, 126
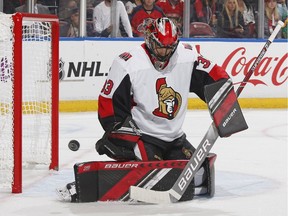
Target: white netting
37, 91
6, 100
36, 95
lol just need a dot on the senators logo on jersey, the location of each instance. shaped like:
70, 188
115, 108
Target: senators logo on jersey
169, 100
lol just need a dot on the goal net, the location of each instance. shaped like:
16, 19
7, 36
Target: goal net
29, 85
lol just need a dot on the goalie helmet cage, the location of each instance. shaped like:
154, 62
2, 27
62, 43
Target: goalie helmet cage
29, 94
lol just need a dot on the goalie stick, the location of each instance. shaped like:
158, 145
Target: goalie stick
188, 173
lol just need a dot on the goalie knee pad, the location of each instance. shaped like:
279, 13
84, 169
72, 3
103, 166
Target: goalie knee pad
205, 177
119, 153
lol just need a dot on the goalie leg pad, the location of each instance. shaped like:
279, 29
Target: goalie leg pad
110, 181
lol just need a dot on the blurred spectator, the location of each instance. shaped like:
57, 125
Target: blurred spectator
271, 18
53, 5
16, 3
282, 8
72, 4
89, 14
148, 10
283, 11
173, 9
130, 5
204, 11
68, 12
38, 8
247, 12
102, 20
65, 6
8, 7
230, 21
71, 28
96, 2
90, 3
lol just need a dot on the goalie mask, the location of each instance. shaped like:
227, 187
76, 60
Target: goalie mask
161, 38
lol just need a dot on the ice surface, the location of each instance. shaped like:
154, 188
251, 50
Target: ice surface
251, 172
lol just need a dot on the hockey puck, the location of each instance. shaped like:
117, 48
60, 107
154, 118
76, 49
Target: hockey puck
74, 145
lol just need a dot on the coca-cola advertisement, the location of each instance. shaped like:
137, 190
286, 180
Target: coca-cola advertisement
269, 78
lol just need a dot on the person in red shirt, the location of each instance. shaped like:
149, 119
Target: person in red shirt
173, 9
147, 11
204, 11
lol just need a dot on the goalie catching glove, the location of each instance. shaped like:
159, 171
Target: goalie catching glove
118, 142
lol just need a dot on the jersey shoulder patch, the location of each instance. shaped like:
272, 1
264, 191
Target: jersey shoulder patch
125, 56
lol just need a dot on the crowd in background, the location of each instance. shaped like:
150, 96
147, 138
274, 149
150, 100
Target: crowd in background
208, 18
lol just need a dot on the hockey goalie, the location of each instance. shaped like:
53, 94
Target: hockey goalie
142, 107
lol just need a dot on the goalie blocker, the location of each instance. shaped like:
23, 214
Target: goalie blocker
224, 108
110, 181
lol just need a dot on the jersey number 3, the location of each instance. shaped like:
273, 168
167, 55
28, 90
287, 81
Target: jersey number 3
206, 63
108, 85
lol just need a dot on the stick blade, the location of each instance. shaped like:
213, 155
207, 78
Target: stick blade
151, 196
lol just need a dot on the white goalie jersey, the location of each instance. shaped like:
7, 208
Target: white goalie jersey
156, 99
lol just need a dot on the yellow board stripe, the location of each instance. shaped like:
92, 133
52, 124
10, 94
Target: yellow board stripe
193, 103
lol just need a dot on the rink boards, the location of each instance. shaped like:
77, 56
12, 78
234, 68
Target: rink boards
83, 73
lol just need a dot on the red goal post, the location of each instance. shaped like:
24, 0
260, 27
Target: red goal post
29, 94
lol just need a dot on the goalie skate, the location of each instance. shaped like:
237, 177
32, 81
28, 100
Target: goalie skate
207, 180
67, 193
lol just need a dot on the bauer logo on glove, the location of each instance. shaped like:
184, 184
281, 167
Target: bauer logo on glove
224, 108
